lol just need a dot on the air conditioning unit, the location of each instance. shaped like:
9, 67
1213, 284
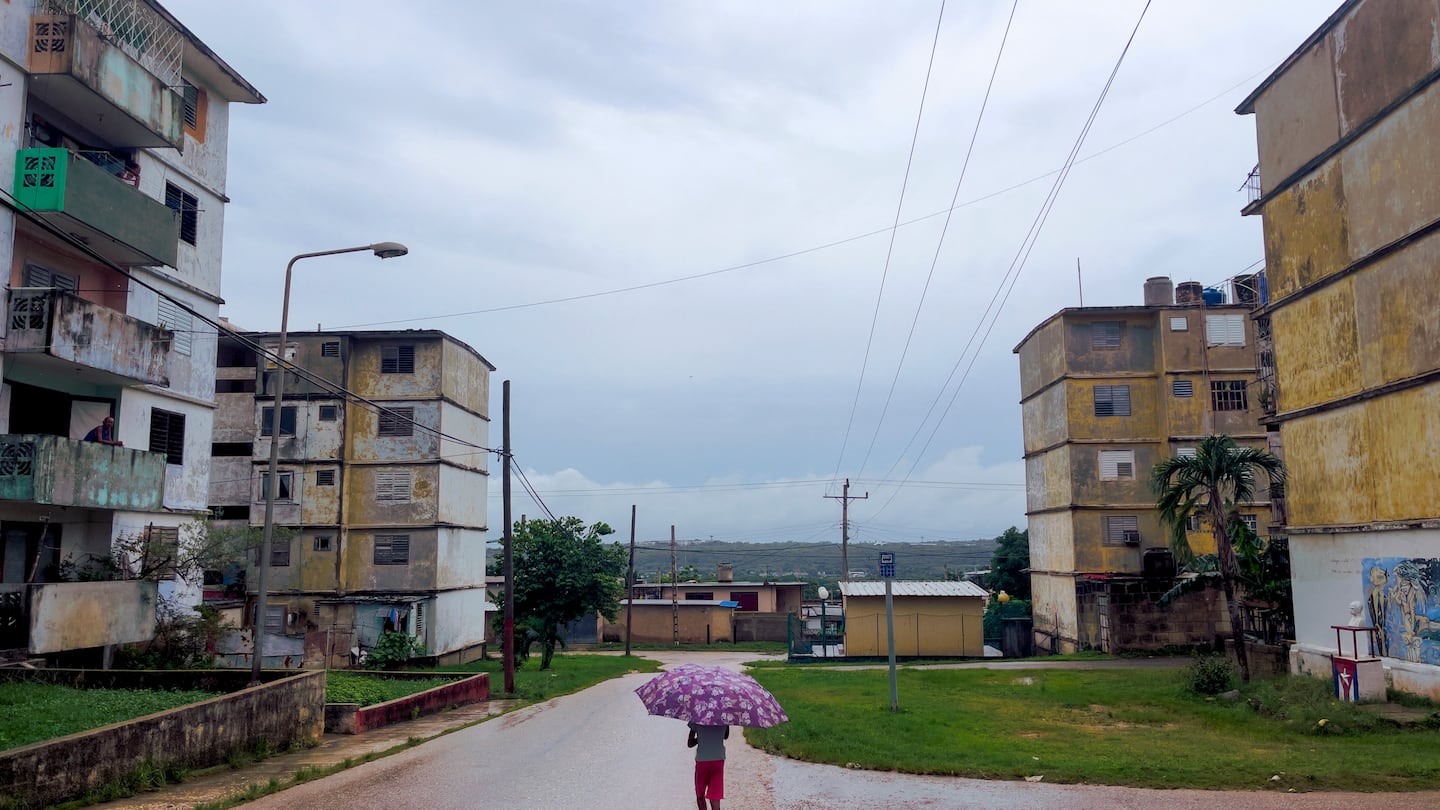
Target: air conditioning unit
1131, 538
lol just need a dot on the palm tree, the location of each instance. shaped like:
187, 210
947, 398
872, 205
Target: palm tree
1213, 482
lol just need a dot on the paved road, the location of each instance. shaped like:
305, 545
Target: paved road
599, 749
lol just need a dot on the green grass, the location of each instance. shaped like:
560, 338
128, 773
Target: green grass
568, 673
1117, 727
32, 712
370, 689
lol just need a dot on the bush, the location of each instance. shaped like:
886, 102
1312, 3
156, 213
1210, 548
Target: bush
393, 650
1210, 675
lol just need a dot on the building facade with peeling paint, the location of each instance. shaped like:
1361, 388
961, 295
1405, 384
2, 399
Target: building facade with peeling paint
1107, 393
114, 124
383, 489
1347, 163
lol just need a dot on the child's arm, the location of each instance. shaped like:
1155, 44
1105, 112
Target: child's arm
693, 740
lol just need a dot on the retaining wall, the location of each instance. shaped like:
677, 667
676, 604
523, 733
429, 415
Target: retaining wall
350, 718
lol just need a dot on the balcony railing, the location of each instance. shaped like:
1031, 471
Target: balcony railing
97, 207
57, 471
1251, 186
114, 64
46, 325
59, 616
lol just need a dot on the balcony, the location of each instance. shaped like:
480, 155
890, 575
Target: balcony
53, 332
112, 69
102, 211
56, 471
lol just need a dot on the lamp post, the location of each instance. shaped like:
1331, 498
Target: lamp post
383, 250
824, 594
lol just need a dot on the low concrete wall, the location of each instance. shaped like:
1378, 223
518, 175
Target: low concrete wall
761, 626
283, 711
350, 718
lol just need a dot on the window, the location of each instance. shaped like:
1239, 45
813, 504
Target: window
1122, 530
1225, 330
397, 359
699, 595
419, 619
1185, 452
1182, 388
1112, 400
287, 420
279, 554
324, 478
392, 549
169, 315
1105, 335
1251, 522
329, 413
396, 422
230, 512
1180, 324
232, 449
167, 435
393, 485
285, 480
274, 618
749, 600
37, 276
245, 386
273, 349
196, 106
1116, 465
1228, 395
1193, 523
330, 348
322, 542
189, 207
164, 549
1277, 491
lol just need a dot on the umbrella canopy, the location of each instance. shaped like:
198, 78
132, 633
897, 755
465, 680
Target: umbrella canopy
711, 696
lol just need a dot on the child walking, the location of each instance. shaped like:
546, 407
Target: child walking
709, 745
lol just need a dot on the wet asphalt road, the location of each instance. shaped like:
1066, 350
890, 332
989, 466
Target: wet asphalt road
599, 749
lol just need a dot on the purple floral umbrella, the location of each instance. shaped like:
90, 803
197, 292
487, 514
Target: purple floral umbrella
711, 696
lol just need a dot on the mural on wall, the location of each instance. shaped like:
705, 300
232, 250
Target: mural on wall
1402, 596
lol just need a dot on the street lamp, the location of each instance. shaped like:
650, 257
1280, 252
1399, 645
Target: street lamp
824, 594
383, 250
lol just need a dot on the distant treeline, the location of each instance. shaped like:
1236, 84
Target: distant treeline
700, 560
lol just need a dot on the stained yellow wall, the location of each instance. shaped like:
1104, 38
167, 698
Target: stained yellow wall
924, 626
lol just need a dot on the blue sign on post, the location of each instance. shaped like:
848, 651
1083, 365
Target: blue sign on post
887, 564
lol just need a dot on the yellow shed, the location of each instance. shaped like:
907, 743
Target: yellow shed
932, 619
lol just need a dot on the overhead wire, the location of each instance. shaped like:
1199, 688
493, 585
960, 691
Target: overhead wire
1012, 275
890, 250
940, 243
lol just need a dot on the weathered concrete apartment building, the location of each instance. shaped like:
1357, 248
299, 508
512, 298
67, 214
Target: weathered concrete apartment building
114, 127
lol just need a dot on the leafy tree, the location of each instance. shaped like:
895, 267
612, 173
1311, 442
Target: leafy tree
1214, 482
151, 554
562, 572
1009, 564
184, 638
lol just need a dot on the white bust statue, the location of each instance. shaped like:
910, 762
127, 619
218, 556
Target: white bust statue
1357, 614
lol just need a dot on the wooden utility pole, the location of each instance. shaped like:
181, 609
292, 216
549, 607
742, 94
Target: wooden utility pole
630, 584
674, 592
509, 640
845, 500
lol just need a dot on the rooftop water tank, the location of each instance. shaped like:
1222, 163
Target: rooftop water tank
1214, 297
1159, 291
1187, 293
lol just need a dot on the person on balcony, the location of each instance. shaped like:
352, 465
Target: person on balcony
104, 433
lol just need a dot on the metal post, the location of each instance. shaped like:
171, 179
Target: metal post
630, 584
890, 629
824, 645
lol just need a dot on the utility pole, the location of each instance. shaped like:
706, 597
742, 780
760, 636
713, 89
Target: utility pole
674, 592
630, 584
509, 640
845, 500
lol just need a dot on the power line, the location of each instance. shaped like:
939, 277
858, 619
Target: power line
1012, 274
934, 260
890, 250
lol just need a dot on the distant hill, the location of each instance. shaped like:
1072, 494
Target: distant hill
771, 561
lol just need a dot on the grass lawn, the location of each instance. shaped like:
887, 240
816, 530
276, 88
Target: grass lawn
367, 689
32, 712
1115, 727
568, 673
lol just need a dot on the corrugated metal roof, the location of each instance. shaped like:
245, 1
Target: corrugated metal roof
904, 588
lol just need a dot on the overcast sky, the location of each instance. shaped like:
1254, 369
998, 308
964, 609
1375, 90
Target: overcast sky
528, 152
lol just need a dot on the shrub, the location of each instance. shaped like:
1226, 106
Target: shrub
1210, 675
393, 650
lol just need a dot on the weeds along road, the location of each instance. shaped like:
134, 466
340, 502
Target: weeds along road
598, 749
